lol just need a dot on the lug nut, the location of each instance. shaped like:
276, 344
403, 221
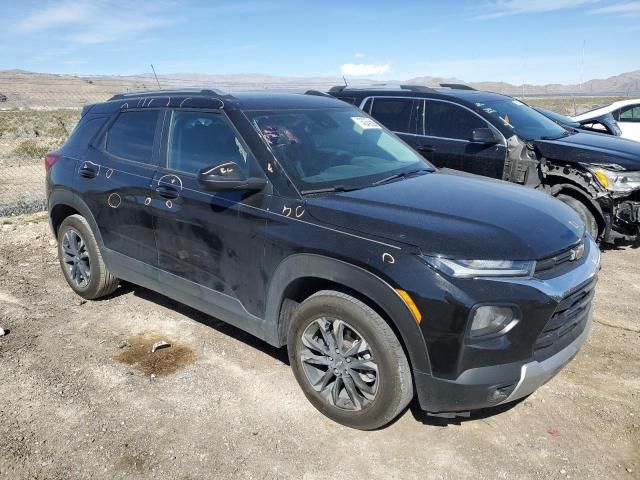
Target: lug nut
348, 360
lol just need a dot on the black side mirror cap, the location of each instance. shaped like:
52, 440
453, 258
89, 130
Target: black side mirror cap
484, 135
228, 176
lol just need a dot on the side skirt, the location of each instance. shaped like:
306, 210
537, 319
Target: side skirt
204, 299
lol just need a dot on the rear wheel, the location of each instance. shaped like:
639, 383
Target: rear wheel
583, 211
81, 261
348, 361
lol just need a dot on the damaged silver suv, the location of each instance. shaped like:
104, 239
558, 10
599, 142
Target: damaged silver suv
498, 136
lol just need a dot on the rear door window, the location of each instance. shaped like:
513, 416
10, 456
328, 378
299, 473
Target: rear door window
131, 135
395, 113
447, 120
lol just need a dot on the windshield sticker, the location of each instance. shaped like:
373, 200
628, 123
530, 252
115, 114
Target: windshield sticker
365, 123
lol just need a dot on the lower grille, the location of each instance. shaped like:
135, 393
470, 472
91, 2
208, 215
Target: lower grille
567, 322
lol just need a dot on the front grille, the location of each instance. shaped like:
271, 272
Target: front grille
567, 322
562, 262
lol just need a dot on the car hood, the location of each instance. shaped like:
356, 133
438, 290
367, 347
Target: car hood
455, 216
592, 149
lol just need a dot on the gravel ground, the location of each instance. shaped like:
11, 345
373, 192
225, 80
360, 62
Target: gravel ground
80, 398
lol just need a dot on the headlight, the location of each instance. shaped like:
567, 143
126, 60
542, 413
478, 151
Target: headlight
617, 181
481, 268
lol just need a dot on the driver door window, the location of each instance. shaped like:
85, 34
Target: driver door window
202, 139
446, 120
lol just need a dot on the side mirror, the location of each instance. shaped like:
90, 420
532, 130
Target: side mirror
228, 176
484, 135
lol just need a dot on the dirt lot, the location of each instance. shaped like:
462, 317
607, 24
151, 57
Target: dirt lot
80, 397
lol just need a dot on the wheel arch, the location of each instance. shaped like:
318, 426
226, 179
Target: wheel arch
301, 275
63, 204
559, 185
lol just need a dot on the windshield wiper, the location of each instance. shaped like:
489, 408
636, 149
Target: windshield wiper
401, 175
336, 188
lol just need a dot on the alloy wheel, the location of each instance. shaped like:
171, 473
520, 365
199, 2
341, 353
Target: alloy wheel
339, 364
76, 258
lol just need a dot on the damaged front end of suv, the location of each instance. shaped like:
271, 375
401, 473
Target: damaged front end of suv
609, 190
597, 175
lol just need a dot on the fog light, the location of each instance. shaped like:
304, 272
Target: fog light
489, 319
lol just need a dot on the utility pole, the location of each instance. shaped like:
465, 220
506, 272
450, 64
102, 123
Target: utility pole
584, 42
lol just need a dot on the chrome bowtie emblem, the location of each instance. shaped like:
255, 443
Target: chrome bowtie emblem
577, 253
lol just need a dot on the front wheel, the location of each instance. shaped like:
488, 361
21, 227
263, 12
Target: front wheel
348, 361
583, 211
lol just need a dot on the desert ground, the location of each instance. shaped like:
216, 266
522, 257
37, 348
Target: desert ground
81, 397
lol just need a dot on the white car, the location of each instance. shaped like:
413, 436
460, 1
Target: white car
625, 112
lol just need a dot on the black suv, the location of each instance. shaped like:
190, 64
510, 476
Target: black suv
303, 221
500, 137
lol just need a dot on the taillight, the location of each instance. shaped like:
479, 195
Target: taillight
49, 159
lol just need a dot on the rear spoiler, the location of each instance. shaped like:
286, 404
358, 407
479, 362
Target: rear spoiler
86, 109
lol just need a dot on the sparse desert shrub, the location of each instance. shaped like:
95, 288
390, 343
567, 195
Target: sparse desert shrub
30, 149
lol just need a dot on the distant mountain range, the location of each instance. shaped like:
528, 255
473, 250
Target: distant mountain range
41, 90
624, 84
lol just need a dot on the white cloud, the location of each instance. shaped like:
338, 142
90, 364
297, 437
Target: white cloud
360, 69
504, 8
54, 16
358, 55
632, 8
97, 21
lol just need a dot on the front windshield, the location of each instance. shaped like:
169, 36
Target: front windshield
326, 148
522, 120
556, 117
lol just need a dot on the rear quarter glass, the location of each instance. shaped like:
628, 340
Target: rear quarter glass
83, 134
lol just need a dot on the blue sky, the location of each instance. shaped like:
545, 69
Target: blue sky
534, 41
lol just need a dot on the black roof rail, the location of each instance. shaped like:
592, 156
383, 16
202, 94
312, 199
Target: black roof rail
417, 88
317, 93
456, 86
411, 88
204, 92
337, 89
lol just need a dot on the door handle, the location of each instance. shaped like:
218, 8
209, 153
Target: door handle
87, 172
166, 191
426, 148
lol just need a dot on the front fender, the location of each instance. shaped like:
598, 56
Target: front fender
355, 278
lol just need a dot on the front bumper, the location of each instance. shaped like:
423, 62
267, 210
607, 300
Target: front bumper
535, 374
495, 384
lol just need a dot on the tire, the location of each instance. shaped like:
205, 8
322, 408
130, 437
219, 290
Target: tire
375, 395
81, 263
583, 211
